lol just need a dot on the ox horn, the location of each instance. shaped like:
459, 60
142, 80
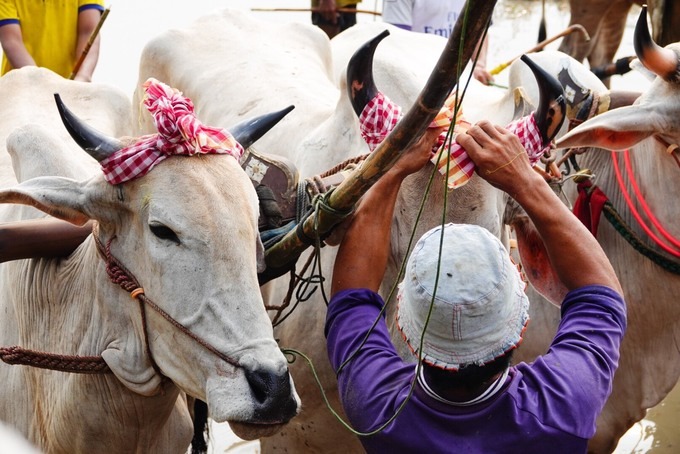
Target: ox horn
249, 131
95, 143
552, 106
360, 84
662, 62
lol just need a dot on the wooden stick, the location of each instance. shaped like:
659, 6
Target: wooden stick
316, 10
541, 45
90, 41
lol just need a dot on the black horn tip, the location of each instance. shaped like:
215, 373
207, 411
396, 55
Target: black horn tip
642, 39
360, 85
661, 61
96, 144
251, 130
552, 106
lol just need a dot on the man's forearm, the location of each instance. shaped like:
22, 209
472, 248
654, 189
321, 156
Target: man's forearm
13, 46
574, 253
362, 255
89, 63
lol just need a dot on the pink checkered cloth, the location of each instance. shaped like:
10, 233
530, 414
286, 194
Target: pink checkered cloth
179, 132
381, 115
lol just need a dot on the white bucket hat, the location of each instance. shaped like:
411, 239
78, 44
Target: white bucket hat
480, 310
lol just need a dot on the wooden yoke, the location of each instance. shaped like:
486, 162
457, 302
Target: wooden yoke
40, 238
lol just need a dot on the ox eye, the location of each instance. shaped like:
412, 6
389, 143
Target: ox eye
164, 232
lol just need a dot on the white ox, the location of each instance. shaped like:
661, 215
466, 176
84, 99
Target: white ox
232, 66
292, 66
649, 365
187, 232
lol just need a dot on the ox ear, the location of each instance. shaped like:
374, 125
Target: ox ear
523, 105
56, 196
70, 200
614, 130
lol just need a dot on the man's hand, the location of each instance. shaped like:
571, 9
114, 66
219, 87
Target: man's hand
481, 74
499, 156
416, 156
575, 255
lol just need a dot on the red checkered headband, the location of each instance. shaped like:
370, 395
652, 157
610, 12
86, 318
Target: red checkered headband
381, 115
179, 132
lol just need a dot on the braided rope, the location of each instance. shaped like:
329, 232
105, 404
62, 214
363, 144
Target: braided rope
64, 363
342, 165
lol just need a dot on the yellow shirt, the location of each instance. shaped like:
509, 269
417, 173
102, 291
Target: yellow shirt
49, 30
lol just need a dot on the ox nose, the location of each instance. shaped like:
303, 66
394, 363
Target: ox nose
274, 397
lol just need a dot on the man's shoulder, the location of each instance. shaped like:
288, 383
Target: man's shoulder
605, 297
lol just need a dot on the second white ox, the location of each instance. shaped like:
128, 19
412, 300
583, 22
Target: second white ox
649, 367
187, 231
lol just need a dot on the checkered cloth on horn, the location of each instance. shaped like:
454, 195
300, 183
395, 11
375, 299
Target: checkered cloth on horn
179, 132
381, 115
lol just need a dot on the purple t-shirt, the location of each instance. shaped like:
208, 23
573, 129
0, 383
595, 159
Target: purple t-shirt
549, 405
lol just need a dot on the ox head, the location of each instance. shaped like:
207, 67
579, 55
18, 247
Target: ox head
188, 233
624, 127
549, 114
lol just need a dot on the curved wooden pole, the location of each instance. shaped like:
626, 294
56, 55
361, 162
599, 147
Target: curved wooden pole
458, 51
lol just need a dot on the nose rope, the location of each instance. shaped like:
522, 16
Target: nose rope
126, 280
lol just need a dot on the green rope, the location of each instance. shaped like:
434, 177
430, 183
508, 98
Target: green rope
634, 240
292, 353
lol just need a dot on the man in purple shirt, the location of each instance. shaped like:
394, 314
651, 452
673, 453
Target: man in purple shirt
461, 395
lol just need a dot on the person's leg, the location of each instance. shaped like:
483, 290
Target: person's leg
327, 26
347, 20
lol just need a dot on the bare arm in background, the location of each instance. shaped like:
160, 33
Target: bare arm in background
13, 46
480, 72
87, 22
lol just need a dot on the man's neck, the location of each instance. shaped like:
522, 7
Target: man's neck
461, 394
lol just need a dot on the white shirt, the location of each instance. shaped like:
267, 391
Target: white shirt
436, 17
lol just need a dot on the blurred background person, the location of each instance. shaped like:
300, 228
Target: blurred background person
50, 34
436, 17
327, 17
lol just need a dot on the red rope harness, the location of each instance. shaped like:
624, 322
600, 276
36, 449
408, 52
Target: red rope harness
674, 247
